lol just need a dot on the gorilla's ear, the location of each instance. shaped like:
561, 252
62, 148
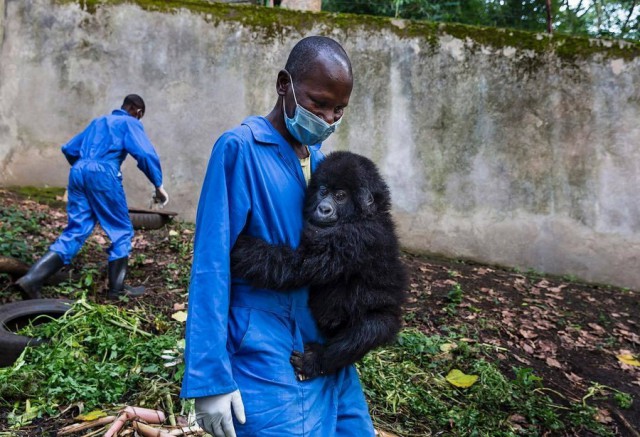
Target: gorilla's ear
365, 200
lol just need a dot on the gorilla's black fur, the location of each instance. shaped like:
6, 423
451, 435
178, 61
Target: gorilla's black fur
349, 257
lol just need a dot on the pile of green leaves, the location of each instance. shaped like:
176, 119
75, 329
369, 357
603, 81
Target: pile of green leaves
97, 355
15, 226
409, 394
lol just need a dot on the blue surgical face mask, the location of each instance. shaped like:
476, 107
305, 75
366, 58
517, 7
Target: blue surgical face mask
305, 126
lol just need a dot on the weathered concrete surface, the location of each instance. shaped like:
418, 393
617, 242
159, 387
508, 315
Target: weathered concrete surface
302, 5
500, 152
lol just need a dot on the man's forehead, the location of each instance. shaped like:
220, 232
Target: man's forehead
328, 67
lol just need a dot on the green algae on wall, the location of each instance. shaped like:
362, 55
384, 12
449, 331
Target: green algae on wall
273, 22
49, 195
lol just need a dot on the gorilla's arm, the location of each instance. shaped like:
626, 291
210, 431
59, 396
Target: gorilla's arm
324, 256
347, 347
265, 265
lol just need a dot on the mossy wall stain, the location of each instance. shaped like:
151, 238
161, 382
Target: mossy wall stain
274, 22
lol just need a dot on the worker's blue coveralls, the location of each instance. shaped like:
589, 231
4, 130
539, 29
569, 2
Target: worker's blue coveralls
95, 189
240, 337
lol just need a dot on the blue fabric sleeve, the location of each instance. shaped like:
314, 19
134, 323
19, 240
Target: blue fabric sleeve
137, 144
71, 150
224, 206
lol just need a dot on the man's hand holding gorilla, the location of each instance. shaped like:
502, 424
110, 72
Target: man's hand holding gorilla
348, 256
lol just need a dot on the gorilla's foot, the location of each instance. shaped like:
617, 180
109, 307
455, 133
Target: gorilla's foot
308, 364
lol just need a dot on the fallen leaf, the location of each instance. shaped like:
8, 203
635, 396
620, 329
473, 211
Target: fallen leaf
573, 377
553, 362
447, 347
459, 379
517, 418
528, 349
92, 415
629, 359
603, 416
180, 316
527, 334
599, 329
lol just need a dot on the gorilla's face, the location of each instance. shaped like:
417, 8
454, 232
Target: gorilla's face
329, 205
346, 188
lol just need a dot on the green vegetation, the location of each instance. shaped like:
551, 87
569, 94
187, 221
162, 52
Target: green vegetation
97, 355
409, 394
600, 18
16, 225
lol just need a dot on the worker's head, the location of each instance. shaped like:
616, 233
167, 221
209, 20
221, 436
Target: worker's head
134, 105
315, 87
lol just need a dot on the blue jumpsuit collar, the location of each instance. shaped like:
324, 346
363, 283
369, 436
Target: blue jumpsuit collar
265, 134
121, 112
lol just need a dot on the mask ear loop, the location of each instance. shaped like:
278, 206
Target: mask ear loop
293, 90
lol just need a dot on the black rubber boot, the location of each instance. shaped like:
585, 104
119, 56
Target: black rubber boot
31, 283
116, 275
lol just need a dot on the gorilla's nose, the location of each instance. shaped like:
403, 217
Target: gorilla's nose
325, 209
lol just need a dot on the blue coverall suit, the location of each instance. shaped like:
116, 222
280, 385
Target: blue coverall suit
95, 189
240, 337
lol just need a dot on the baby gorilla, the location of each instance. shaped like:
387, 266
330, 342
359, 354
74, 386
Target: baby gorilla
348, 256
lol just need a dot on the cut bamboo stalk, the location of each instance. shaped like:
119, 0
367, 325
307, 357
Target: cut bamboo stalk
149, 431
86, 425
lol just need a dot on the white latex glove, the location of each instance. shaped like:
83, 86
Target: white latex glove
213, 413
161, 196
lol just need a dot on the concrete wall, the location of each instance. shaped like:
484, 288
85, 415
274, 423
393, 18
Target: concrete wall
302, 5
498, 146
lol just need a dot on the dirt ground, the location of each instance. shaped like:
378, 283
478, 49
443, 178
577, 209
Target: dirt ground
569, 333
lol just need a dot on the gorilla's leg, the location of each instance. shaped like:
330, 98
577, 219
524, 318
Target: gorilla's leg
347, 347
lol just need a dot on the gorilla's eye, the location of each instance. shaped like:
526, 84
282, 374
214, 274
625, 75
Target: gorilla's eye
341, 196
323, 191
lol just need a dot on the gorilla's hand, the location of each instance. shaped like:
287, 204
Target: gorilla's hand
308, 365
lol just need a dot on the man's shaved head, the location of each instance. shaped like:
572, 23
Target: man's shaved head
310, 48
133, 101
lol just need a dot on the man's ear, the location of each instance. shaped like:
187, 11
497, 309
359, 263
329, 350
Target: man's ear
282, 82
366, 201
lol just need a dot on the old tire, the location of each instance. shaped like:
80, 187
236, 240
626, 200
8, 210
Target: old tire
16, 315
141, 220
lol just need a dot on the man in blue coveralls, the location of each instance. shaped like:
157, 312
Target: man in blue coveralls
239, 339
96, 195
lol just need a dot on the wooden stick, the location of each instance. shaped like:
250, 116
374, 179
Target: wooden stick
117, 424
86, 425
187, 430
146, 414
626, 423
172, 417
149, 431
